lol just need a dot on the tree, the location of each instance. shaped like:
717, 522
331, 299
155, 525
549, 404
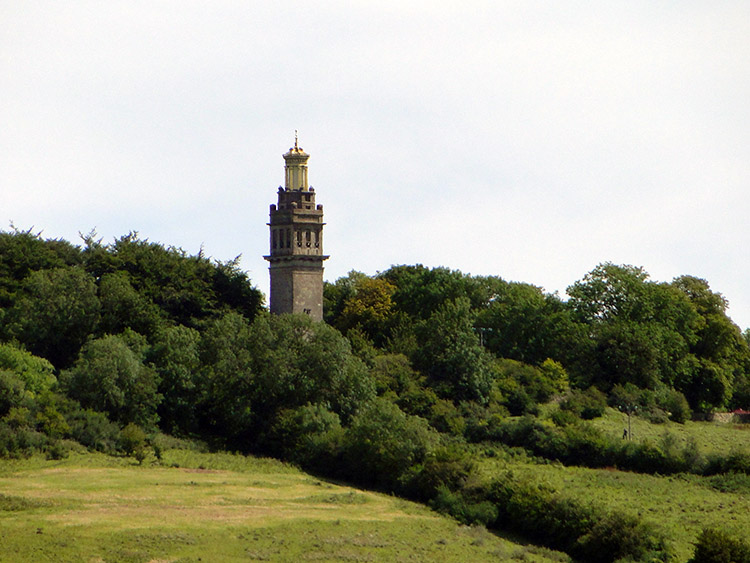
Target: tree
642, 331
187, 288
176, 358
723, 354
56, 314
123, 307
22, 253
110, 377
368, 307
421, 291
36, 373
450, 353
522, 323
610, 292
383, 442
252, 371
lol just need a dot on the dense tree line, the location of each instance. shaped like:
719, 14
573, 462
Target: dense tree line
617, 328
106, 344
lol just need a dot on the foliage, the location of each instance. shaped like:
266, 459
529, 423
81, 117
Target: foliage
716, 546
132, 441
109, 376
36, 373
56, 312
583, 531
251, 371
383, 442
450, 353
176, 359
586, 404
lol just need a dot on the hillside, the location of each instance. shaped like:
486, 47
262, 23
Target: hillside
429, 384
220, 507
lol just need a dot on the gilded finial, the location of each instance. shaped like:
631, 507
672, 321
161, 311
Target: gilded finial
295, 140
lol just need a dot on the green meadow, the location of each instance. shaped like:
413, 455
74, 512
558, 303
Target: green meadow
679, 505
710, 437
219, 507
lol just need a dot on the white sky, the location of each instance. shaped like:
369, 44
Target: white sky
529, 140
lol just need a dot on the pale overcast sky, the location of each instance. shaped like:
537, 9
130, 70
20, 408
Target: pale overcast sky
529, 140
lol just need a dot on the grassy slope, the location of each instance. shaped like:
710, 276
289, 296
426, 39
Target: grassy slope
218, 507
712, 437
681, 505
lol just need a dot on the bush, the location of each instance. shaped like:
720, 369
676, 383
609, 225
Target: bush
564, 418
57, 450
737, 461
445, 417
520, 403
617, 537
309, 435
383, 442
676, 405
455, 504
585, 532
586, 404
447, 467
12, 392
132, 440
715, 546
94, 430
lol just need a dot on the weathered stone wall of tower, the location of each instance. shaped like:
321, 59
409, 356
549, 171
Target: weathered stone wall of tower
296, 242
297, 288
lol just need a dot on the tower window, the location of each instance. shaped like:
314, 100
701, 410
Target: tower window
288, 238
307, 239
275, 238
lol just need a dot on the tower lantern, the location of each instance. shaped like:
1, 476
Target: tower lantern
296, 241
296, 168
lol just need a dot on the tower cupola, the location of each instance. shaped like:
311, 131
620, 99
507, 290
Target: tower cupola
296, 167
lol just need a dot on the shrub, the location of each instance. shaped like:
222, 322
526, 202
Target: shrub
445, 417
57, 450
12, 392
586, 404
94, 430
737, 461
383, 442
35, 372
519, 403
309, 435
563, 418
447, 467
617, 537
676, 405
715, 546
585, 532
132, 440
466, 511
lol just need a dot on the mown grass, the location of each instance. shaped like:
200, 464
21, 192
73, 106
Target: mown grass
219, 507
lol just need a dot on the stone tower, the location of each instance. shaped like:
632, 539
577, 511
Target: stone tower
296, 258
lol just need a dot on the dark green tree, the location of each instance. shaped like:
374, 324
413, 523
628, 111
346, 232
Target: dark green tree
57, 312
450, 354
383, 442
110, 377
176, 358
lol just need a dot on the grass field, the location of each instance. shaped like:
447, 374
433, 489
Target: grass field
711, 437
219, 507
680, 505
